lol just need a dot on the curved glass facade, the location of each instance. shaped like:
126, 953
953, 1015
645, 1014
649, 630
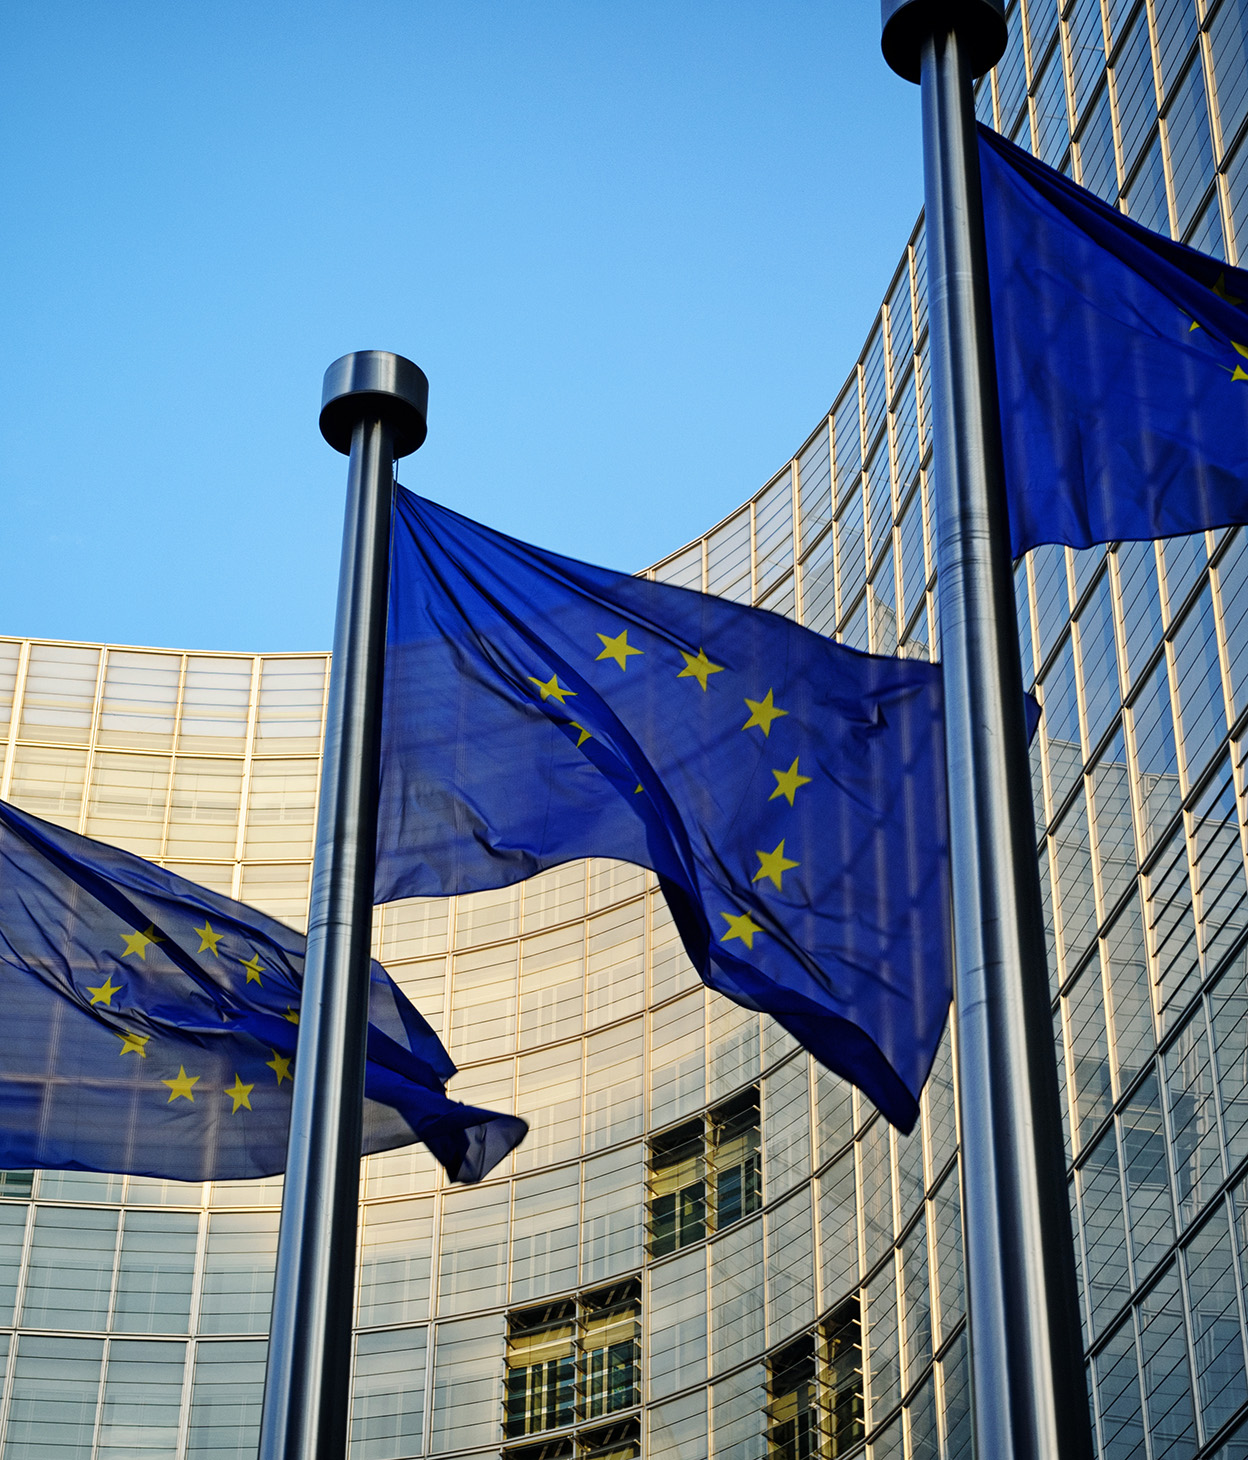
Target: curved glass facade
708, 1246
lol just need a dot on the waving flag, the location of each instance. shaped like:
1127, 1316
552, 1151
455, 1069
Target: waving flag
788, 791
1122, 365
148, 1025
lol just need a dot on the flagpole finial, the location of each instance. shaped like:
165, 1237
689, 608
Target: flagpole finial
375, 383
908, 23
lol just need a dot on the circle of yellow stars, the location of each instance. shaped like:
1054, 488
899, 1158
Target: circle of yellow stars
772, 865
182, 1085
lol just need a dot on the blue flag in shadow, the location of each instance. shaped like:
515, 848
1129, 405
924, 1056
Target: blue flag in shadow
1121, 365
148, 1025
789, 792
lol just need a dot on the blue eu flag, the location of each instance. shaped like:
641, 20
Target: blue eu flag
1121, 365
148, 1025
789, 792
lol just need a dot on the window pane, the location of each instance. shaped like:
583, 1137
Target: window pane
238, 1273
142, 1400
225, 1401
157, 1266
56, 1385
388, 1395
396, 1243
71, 1268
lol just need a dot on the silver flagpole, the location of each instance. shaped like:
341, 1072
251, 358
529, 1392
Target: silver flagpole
373, 408
1029, 1397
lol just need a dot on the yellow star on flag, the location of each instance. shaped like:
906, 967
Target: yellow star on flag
138, 942
208, 939
583, 736
104, 994
254, 968
180, 1086
239, 1094
552, 689
291, 1015
280, 1067
618, 648
1220, 290
762, 713
743, 927
132, 1043
774, 865
699, 667
788, 782
1239, 372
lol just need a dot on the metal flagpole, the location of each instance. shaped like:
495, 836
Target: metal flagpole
1029, 1397
373, 407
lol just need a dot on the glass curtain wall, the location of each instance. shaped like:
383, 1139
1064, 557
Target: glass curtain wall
708, 1246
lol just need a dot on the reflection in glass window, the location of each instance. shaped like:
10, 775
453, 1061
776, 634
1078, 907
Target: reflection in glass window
238, 1273
226, 1400
215, 698
395, 1245
472, 1261
58, 1376
47, 782
139, 699
70, 1268
292, 693
157, 1266
60, 693
142, 1399
388, 1394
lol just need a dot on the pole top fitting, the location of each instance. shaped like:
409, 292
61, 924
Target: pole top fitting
368, 384
980, 27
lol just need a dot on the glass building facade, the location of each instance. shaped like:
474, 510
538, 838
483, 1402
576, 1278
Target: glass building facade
708, 1246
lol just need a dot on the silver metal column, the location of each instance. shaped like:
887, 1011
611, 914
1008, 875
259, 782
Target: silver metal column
1029, 1395
373, 407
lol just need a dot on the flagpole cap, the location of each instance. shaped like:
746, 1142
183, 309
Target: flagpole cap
368, 384
980, 26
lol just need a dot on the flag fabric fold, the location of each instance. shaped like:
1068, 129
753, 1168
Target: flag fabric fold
150, 1026
788, 791
1121, 365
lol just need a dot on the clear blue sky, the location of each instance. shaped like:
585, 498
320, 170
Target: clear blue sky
635, 246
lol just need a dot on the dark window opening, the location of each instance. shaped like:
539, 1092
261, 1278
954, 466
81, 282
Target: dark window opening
541, 1369
610, 1350
705, 1175
545, 1450
814, 1391
572, 1361
736, 1155
619, 1441
793, 1401
677, 1188
842, 1376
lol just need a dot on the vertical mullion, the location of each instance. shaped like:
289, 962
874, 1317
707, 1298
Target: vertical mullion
173, 758
105, 1352
15, 715
240, 840
795, 535
89, 772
